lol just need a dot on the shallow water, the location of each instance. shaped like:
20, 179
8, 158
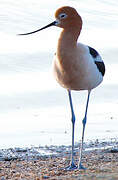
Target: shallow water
34, 109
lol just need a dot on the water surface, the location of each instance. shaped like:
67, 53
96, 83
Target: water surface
34, 109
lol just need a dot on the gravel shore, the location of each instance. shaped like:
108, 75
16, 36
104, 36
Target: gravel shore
29, 164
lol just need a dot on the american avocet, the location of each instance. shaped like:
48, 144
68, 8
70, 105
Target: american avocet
76, 66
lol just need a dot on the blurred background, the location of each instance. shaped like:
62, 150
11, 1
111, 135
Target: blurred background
34, 109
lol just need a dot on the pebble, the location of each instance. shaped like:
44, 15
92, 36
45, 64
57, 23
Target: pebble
34, 153
2, 178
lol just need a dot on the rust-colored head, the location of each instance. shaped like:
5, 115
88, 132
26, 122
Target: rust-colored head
67, 17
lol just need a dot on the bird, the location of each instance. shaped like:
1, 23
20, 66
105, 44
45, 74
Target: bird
76, 66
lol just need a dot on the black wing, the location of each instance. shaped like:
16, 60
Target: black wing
100, 64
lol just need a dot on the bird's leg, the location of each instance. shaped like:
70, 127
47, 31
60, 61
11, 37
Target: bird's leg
84, 124
72, 164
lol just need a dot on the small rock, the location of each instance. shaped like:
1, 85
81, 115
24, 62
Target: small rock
10, 158
2, 178
21, 150
45, 177
114, 150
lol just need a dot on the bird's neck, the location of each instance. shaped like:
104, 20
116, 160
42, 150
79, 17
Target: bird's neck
67, 42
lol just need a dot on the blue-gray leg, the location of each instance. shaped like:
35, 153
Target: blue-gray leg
84, 124
72, 164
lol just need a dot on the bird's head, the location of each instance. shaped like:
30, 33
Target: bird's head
65, 17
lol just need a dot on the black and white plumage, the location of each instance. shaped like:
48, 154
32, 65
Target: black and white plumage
76, 66
97, 59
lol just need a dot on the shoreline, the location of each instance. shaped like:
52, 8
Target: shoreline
34, 152
100, 159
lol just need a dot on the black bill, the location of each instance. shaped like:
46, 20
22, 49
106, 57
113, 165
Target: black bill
51, 24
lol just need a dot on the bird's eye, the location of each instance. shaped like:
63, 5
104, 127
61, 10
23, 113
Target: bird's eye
63, 15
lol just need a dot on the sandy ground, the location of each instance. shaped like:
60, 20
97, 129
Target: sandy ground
100, 164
